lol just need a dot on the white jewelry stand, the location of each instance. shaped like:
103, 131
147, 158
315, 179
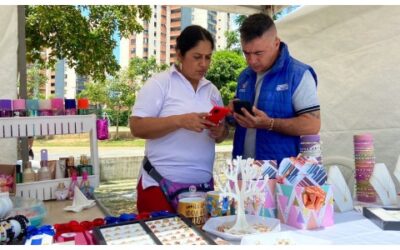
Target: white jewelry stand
396, 172
341, 192
383, 185
248, 189
80, 202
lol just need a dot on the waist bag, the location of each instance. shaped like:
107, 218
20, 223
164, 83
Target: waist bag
172, 189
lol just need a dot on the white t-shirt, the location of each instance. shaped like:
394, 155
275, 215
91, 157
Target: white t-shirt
181, 156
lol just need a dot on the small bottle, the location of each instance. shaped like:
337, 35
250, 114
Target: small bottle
85, 187
32, 107
70, 107
61, 192
6, 108
71, 189
28, 175
83, 106
19, 107
18, 174
44, 172
57, 106
45, 108
84, 166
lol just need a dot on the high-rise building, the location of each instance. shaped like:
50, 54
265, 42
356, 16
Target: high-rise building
159, 36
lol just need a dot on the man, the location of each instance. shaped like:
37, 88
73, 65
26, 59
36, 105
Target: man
283, 92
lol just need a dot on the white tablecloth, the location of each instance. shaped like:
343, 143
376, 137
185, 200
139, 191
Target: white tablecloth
352, 228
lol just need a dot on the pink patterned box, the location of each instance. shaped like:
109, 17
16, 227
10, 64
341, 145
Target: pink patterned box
268, 206
292, 211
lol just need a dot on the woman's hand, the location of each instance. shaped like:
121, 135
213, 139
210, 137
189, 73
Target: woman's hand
196, 122
219, 132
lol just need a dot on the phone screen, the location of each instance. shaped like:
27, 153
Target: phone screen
238, 104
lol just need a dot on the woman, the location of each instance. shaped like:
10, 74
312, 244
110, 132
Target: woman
170, 112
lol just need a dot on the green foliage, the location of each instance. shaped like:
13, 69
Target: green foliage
84, 41
225, 67
36, 79
239, 19
142, 69
228, 91
122, 117
232, 40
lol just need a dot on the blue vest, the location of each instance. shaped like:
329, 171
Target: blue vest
275, 98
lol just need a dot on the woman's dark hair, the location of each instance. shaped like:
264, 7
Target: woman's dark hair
190, 36
255, 26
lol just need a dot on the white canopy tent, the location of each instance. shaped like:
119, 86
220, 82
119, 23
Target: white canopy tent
355, 51
8, 71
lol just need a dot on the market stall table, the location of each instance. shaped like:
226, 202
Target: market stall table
56, 213
352, 228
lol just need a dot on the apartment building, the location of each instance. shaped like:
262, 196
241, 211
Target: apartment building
159, 36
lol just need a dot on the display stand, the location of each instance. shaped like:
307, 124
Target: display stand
15, 127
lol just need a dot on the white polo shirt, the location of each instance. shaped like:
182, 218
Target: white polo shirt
181, 156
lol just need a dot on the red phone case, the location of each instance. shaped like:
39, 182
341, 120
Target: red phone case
218, 113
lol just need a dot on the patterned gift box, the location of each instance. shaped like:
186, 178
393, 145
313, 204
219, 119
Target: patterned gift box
293, 212
267, 205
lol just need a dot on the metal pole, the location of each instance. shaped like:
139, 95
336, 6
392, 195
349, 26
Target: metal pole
23, 146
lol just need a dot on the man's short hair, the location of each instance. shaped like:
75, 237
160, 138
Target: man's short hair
255, 26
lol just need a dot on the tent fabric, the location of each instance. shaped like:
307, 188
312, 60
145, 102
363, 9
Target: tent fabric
355, 51
8, 70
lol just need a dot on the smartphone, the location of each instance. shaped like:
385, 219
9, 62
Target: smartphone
238, 104
217, 113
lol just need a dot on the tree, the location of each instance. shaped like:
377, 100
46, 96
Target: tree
224, 69
36, 79
96, 93
232, 40
139, 67
82, 35
121, 94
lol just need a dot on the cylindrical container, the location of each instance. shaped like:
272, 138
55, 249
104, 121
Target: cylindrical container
18, 174
70, 107
193, 206
310, 146
57, 106
6, 204
83, 106
28, 175
217, 204
364, 159
6, 108
45, 108
32, 107
44, 172
19, 107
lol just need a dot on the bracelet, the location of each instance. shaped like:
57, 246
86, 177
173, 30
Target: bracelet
3, 234
271, 124
24, 222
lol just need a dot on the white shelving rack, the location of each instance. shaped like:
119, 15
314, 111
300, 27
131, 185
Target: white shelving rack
52, 125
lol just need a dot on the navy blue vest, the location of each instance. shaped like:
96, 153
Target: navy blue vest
275, 98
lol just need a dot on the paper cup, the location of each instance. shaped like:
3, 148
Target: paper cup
216, 204
193, 208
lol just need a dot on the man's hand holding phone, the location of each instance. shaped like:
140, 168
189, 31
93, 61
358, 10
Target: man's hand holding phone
239, 104
249, 116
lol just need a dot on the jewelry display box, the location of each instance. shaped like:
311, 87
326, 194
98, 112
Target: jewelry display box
385, 218
168, 230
